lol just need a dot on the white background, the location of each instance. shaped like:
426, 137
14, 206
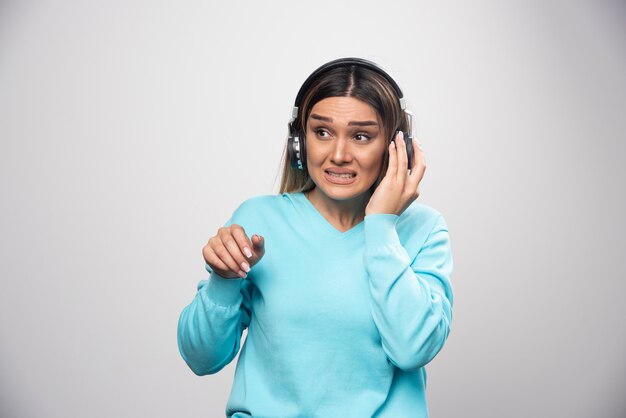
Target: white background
130, 130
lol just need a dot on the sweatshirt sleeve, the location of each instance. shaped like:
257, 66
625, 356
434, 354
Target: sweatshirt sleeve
411, 294
210, 327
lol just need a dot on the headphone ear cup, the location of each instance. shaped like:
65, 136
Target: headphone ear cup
296, 148
408, 140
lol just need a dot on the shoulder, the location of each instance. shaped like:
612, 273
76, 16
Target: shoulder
267, 201
258, 201
418, 221
261, 206
417, 224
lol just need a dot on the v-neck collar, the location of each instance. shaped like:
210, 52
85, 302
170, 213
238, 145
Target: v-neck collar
322, 221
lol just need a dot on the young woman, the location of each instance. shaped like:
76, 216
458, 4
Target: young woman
342, 279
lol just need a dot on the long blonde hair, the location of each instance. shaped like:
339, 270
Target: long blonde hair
347, 81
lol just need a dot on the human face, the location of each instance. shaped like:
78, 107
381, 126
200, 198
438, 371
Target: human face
345, 145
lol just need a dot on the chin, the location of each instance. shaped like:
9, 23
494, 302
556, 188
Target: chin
336, 192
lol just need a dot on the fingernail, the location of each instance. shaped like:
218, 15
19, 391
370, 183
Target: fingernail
393, 144
242, 274
245, 266
247, 252
401, 135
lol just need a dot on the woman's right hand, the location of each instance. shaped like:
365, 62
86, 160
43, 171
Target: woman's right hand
231, 253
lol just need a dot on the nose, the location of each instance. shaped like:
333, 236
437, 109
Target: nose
341, 151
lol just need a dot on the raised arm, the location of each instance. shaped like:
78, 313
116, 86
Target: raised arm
210, 328
412, 295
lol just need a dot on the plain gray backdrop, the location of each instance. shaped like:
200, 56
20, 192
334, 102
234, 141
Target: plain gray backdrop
130, 130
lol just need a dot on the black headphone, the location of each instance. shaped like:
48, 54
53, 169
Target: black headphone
296, 143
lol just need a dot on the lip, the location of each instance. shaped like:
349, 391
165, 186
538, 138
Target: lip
340, 171
338, 180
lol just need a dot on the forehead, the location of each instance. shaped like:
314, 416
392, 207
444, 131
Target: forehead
345, 109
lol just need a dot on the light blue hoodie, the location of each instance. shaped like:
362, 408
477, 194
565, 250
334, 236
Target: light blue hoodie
340, 324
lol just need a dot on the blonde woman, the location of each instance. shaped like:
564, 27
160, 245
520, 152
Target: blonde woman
343, 278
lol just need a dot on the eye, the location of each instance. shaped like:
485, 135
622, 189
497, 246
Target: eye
322, 133
362, 137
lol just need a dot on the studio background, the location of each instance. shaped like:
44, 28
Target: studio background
130, 131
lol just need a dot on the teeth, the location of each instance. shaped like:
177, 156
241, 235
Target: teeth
343, 176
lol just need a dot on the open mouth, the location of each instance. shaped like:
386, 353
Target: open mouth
341, 175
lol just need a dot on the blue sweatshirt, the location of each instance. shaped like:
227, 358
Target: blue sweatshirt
340, 324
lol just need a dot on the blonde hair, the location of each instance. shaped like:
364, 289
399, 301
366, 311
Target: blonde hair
347, 81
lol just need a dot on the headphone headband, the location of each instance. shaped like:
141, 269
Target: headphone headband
344, 62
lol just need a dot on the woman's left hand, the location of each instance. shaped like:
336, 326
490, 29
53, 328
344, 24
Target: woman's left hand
398, 189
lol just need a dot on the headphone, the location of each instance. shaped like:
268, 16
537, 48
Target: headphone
296, 142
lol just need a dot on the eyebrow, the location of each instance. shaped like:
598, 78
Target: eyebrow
351, 123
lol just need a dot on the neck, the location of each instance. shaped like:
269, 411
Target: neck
342, 214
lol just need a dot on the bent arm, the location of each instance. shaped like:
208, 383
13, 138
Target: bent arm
210, 327
412, 299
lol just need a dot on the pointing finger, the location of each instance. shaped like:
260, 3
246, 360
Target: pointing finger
258, 244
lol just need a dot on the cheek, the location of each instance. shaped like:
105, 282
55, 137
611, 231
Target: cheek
377, 171
375, 163
312, 154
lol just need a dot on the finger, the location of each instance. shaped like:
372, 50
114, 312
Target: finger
402, 159
418, 154
225, 257
239, 234
258, 244
421, 159
234, 252
419, 165
417, 148
213, 260
392, 167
